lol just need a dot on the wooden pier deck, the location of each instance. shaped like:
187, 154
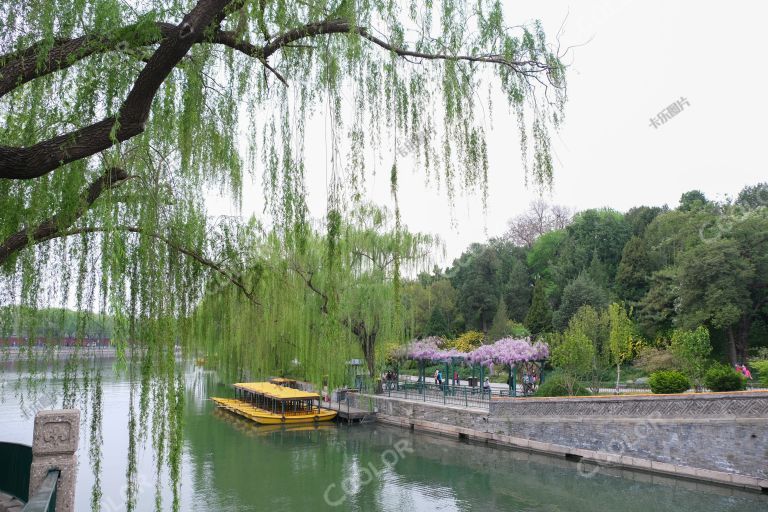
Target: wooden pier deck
351, 414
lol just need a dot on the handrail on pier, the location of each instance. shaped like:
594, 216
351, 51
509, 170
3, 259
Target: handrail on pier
44, 498
44, 474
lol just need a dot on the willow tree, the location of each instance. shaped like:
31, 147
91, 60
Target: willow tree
314, 313
117, 117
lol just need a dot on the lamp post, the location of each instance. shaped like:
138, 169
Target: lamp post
513, 380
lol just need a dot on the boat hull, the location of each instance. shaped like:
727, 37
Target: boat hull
265, 417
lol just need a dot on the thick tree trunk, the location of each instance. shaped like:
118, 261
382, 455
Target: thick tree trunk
369, 351
732, 346
41, 158
742, 339
367, 342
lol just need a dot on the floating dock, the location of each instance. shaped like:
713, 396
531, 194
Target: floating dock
351, 414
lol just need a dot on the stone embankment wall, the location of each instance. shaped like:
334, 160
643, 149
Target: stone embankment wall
717, 437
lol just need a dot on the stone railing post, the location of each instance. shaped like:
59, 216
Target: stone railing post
54, 446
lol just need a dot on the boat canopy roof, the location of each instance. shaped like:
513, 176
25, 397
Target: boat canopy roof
281, 380
277, 392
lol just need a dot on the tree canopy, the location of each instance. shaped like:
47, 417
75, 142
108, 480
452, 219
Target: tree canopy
117, 118
702, 265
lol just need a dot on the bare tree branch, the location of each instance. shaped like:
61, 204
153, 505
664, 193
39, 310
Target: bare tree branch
199, 258
231, 40
338, 26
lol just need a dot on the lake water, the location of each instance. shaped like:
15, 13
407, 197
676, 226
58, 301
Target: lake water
230, 464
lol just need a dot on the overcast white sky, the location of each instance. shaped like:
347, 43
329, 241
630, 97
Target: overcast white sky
639, 57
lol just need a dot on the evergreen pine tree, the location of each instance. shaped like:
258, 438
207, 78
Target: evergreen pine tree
633, 275
438, 324
539, 317
500, 326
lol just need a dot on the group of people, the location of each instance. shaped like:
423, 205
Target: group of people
439, 378
390, 378
742, 369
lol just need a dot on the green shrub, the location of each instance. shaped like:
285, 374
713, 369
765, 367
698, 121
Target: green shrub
762, 370
670, 381
722, 377
555, 385
517, 330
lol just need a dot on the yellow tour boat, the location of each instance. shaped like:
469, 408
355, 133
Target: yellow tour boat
270, 404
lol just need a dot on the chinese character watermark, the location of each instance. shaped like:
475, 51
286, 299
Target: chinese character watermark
669, 112
43, 401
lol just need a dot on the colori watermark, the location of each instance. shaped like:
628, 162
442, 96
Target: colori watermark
337, 494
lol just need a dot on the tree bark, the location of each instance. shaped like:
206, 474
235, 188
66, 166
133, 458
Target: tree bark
21, 67
34, 161
367, 342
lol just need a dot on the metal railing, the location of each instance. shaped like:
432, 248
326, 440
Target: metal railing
471, 396
15, 466
445, 394
44, 498
15, 463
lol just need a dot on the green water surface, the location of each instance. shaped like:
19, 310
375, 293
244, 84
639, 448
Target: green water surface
230, 464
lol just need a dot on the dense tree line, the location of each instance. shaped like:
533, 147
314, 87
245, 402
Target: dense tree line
53, 323
701, 263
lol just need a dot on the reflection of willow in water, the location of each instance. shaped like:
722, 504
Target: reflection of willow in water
154, 410
230, 455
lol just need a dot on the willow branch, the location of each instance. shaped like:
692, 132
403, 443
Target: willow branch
307, 278
40, 159
200, 25
338, 26
176, 246
56, 224
260, 20
231, 40
21, 67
